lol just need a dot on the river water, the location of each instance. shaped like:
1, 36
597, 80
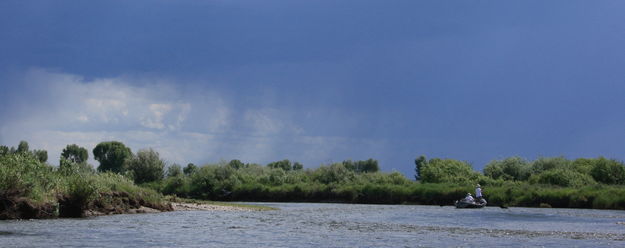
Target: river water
329, 225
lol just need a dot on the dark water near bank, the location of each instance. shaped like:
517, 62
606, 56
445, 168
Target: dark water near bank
329, 225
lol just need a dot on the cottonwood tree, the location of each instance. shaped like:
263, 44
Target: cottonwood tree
298, 166
236, 164
190, 169
282, 164
22, 147
111, 155
174, 170
75, 154
41, 155
145, 166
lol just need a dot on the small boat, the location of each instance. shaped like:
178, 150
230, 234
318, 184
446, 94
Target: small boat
470, 204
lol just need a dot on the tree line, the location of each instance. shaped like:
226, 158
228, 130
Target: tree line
555, 171
549, 181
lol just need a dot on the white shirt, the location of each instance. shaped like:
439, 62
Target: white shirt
478, 192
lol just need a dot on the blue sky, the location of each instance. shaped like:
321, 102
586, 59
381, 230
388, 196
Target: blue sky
316, 81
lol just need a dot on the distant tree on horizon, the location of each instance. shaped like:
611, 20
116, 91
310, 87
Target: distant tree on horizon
41, 155
236, 164
111, 155
298, 166
4, 150
174, 170
362, 166
75, 154
419, 163
189, 169
22, 147
145, 166
282, 164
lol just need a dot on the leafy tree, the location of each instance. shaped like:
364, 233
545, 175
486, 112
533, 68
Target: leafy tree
4, 150
190, 169
111, 155
203, 182
283, 164
236, 164
349, 164
512, 168
69, 167
584, 165
608, 171
369, 166
335, 173
75, 153
419, 163
146, 166
544, 164
447, 171
298, 166
22, 147
562, 177
41, 155
174, 170
362, 166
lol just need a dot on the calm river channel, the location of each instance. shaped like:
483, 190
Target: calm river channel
329, 225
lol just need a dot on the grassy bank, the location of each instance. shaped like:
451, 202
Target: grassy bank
335, 183
32, 189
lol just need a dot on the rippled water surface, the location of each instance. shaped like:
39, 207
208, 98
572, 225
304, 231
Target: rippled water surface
329, 225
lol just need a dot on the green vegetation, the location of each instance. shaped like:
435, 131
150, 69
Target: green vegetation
75, 154
145, 166
514, 181
30, 188
111, 156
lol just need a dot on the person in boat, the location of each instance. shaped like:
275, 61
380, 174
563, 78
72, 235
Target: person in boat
469, 198
478, 192
478, 195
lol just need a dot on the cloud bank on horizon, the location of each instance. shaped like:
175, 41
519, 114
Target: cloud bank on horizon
55, 109
316, 82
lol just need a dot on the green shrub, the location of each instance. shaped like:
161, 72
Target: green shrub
145, 166
545, 164
22, 175
448, 171
562, 177
608, 171
513, 168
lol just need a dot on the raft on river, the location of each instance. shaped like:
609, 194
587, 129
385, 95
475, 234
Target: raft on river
470, 204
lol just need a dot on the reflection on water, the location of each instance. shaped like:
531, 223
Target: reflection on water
329, 225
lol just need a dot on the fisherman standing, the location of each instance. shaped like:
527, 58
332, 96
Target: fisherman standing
478, 192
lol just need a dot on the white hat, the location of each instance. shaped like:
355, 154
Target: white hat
478, 185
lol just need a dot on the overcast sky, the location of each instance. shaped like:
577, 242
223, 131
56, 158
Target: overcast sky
316, 81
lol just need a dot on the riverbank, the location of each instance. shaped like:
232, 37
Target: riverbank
183, 204
30, 189
26, 209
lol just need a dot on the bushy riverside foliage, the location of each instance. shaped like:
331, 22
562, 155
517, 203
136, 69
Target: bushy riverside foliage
555, 182
145, 166
278, 181
30, 188
514, 181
